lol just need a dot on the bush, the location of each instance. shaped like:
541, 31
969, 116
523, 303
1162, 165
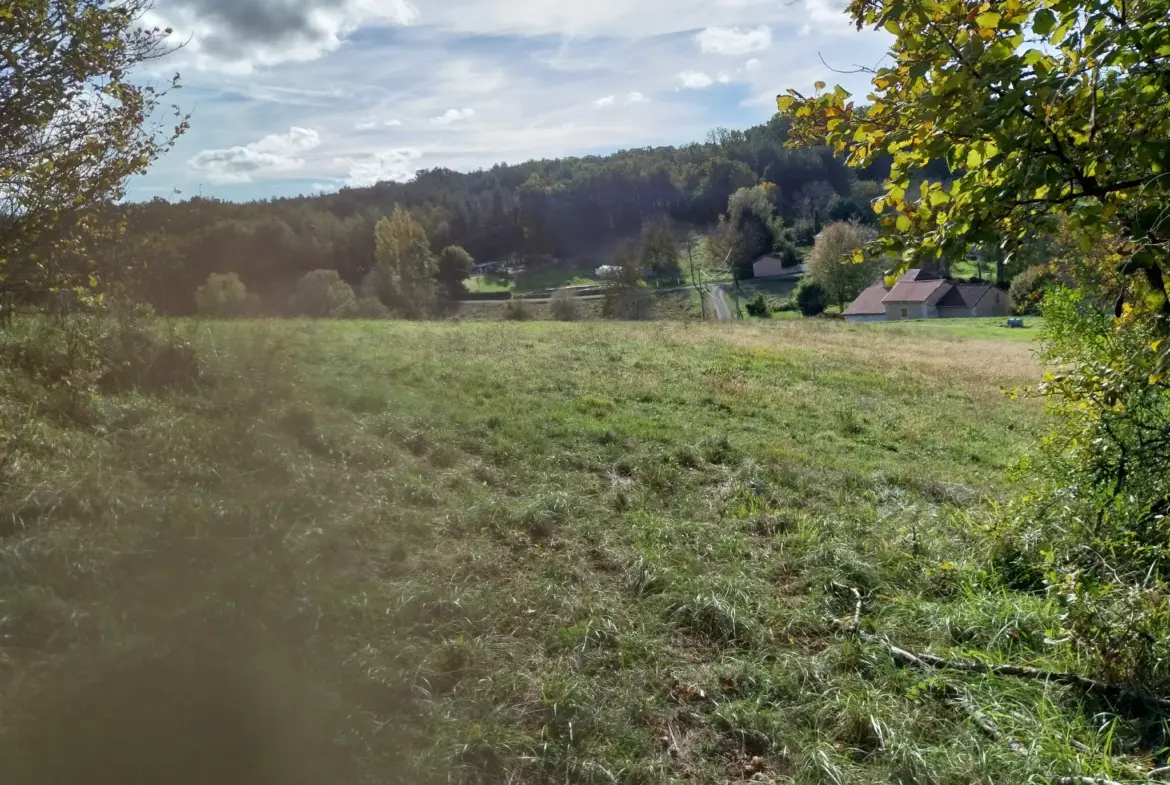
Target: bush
803, 232
1027, 289
627, 303
842, 208
787, 252
810, 298
60, 367
225, 296
564, 306
1093, 522
831, 264
368, 308
515, 310
759, 307
322, 293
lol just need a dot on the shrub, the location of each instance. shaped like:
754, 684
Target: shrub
1027, 289
368, 308
1093, 521
564, 306
322, 293
60, 366
224, 295
842, 208
810, 298
831, 263
759, 307
803, 232
515, 310
455, 266
787, 252
627, 303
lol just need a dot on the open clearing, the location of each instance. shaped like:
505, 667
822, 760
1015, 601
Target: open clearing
532, 553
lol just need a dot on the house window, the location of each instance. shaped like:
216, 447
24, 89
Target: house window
905, 313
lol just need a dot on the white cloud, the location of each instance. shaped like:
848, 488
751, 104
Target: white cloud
631, 98
828, 14
369, 125
694, 80
752, 65
395, 165
274, 154
453, 116
530, 92
236, 36
805, 30
733, 40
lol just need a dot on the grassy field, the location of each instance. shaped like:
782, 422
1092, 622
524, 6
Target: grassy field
526, 553
488, 283
992, 328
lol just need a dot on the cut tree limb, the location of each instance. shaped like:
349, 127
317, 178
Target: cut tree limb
926, 660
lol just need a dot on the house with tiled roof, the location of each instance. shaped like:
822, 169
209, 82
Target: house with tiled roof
921, 294
868, 307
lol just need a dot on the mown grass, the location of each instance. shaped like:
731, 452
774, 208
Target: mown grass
529, 553
987, 328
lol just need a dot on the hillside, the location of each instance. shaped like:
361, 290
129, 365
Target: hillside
573, 209
526, 553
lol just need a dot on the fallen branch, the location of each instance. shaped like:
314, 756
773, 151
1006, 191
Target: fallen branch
929, 661
854, 623
960, 699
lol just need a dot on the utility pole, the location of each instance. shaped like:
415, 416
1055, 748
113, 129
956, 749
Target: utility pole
696, 277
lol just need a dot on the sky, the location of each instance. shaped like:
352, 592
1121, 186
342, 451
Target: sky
293, 97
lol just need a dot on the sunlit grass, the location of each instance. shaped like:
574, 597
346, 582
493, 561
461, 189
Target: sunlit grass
549, 552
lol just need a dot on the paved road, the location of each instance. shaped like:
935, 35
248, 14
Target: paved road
722, 311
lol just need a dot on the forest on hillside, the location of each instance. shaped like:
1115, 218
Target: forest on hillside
525, 214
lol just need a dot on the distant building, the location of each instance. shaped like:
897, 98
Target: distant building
868, 307
920, 294
974, 299
771, 266
915, 296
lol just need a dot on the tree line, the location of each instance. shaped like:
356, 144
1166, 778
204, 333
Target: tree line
518, 214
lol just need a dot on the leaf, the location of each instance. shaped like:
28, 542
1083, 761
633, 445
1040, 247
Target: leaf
903, 223
939, 197
988, 20
1043, 22
1032, 56
974, 159
819, 85
93, 281
784, 102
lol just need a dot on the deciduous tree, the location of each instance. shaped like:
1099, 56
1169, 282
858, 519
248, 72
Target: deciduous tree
404, 264
1048, 110
659, 250
455, 266
831, 262
74, 125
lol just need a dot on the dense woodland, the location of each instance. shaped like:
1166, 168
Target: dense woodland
532, 211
